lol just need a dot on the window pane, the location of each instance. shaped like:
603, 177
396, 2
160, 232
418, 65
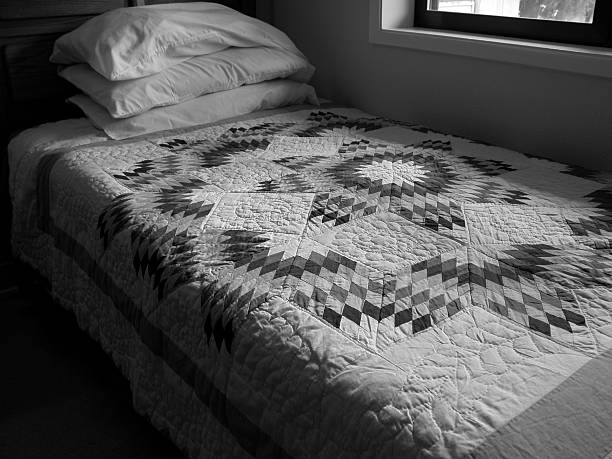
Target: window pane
556, 10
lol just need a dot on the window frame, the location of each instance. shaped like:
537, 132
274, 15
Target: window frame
598, 33
391, 24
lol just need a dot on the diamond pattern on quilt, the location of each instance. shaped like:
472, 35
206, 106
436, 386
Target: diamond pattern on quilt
115, 218
354, 298
209, 153
125, 210
488, 167
368, 150
329, 123
160, 255
335, 208
379, 177
589, 223
259, 265
168, 174
428, 209
411, 201
415, 127
539, 303
504, 160
164, 233
484, 190
424, 294
592, 226
166, 256
368, 236
344, 293
428, 163
570, 267
364, 159
241, 244
218, 328
263, 132
183, 206
253, 279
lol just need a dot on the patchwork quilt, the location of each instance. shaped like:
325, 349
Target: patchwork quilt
324, 283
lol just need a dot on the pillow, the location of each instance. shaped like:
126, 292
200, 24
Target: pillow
128, 43
204, 109
200, 75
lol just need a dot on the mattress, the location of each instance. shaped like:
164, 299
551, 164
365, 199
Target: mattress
326, 283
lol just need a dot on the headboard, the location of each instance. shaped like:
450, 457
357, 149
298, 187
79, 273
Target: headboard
30, 90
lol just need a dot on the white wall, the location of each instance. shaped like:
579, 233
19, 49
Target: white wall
559, 115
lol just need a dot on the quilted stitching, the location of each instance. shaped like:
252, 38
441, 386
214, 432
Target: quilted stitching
289, 256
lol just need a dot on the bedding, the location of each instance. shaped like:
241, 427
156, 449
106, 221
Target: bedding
204, 109
135, 42
192, 78
319, 282
30, 145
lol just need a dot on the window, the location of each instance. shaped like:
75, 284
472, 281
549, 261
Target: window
393, 23
584, 22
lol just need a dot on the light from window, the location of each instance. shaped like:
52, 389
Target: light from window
580, 11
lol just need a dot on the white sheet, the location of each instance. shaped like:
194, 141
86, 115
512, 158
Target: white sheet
201, 110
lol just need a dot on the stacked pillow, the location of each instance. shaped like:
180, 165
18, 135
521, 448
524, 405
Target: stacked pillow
144, 69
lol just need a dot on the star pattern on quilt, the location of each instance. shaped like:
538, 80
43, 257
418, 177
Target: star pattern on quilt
181, 229
205, 153
533, 284
125, 209
323, 123
261, 132
171, 259
165, 256
353, 297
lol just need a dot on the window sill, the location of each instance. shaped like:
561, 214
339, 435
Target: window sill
394, 28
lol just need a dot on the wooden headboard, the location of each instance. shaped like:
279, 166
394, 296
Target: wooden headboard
30, 90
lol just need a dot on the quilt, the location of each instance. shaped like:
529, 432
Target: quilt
325, 283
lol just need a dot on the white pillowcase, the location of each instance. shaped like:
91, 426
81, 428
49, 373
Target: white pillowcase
197, 76
204, 109
128, 43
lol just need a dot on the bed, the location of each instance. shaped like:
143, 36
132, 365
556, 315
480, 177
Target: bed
315, 281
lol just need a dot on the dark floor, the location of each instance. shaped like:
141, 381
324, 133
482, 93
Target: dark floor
60, 395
